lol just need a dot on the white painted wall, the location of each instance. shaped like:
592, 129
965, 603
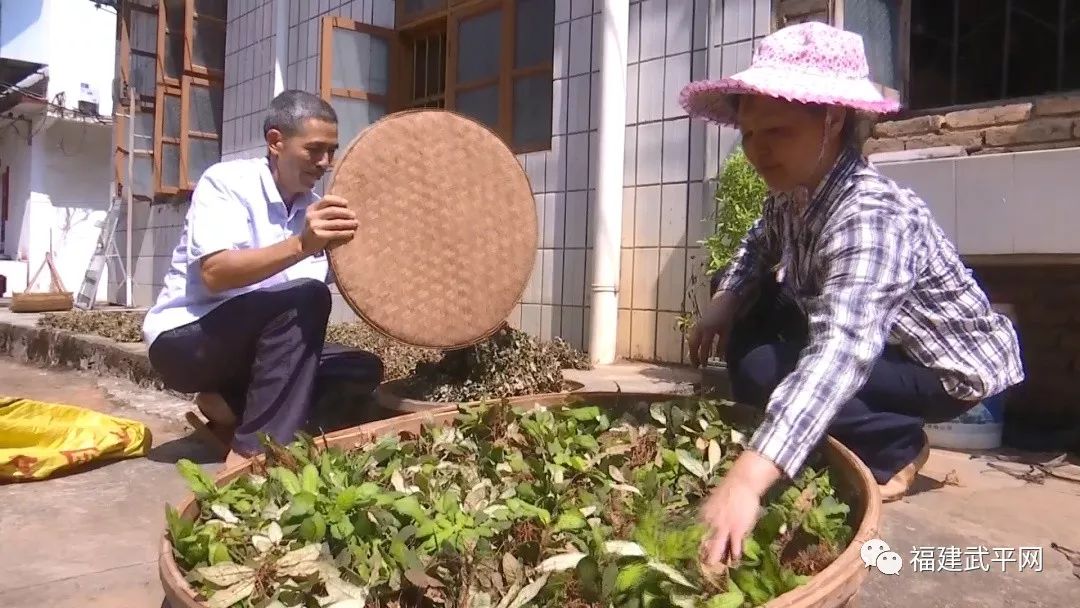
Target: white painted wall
74, 38
61, 177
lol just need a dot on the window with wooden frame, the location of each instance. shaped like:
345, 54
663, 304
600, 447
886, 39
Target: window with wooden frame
488, 59
943, 54
355, 64
172, 54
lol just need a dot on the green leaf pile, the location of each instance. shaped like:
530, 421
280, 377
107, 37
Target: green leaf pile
565, 507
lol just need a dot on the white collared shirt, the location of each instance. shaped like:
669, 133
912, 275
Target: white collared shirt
235, 205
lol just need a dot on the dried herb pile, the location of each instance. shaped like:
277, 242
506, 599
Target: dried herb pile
509, 364
398, 359
116, 325
563, 508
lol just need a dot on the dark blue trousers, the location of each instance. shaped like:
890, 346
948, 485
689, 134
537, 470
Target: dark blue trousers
264, 352
882, 423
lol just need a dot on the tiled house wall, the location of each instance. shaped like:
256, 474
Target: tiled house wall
249, 75
555, 302
671, 161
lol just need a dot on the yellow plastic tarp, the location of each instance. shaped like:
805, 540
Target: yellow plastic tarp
39, 439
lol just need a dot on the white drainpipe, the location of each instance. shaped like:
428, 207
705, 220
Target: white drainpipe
604, 327
281, 44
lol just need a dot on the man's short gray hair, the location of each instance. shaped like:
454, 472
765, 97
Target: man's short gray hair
292, 108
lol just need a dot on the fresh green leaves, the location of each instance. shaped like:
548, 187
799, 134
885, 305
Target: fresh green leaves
503, 509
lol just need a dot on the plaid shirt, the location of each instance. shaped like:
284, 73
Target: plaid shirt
868, 265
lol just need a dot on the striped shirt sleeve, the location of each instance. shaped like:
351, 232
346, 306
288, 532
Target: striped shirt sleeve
868, 262
748, 262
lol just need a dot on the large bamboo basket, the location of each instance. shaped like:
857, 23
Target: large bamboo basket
58, 299
834, 587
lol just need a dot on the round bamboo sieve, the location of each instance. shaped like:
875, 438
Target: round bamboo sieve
448, 229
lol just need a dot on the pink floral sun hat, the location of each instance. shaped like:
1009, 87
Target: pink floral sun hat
808, 62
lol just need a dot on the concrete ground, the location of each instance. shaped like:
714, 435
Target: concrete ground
90, 539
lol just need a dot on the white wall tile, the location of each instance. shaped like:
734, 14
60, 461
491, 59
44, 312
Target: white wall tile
530, 318
676, 150
1045, 216
590, 235
312, 67
577, 104
553, 277
559, 106
577, 161
680, 28
357, 12
651, 90
532, 291
701, 30
669, 340
671, 282
550, 322
650, 142
763, 21
938, 183
573, 326
534, 168
597, 42
555, 206
647, 217
580, 46
630, 156
699, 65
626, 279
676, 76
653, 28
631, 94
697, 150
562, 10
574, 277
555, 174
561, 53
697, 213
646, 275
629, 208
303, 45
738, 20
594, 153
383, 14
673, 204
580, 8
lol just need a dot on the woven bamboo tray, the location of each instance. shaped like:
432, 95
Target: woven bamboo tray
448, 229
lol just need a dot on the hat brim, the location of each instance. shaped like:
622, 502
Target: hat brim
713, 100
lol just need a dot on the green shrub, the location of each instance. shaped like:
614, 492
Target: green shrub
739, 197
740, 193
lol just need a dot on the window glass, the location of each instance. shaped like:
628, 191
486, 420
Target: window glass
205, 107
208, 45
170, 165
481, 104
171, 117
534, 32
360, 62
479, 40
532, 110
202, 153
354, 115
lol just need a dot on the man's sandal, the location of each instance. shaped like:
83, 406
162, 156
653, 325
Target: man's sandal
897, 487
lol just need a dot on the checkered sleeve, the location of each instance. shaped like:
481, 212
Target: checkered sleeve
868, 261
748, 262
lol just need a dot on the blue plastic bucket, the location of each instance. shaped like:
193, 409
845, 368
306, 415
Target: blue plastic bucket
979, 428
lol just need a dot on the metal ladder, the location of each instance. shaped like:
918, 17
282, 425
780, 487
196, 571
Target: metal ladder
106, 248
